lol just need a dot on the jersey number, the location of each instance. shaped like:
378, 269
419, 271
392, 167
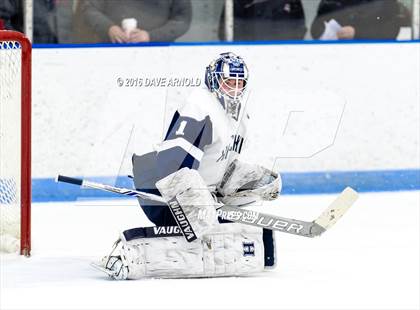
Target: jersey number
180, 131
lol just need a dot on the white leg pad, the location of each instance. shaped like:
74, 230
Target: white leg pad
229, 250
193, 196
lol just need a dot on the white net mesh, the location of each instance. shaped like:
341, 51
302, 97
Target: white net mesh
10, 144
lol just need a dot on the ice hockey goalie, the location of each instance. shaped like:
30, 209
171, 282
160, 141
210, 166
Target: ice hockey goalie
196, 168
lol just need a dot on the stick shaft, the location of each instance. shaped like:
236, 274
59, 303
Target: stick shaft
292, 226
109, 188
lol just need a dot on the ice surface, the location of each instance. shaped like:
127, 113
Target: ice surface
368, 260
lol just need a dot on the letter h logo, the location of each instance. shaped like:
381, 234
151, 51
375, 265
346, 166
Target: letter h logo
249, 248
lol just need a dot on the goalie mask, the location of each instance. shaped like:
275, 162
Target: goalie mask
227, 77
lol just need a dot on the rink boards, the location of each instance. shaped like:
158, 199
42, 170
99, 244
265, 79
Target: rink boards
324, 115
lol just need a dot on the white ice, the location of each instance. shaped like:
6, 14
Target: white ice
369, 260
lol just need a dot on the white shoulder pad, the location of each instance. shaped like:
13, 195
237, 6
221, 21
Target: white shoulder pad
198, 105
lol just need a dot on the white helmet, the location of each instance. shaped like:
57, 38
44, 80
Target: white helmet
227, 77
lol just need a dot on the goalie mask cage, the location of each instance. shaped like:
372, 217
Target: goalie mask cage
15, 142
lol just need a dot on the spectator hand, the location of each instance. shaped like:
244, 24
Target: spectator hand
138, 35
117, 35
347, 32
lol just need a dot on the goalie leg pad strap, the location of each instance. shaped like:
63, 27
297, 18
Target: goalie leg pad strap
229, 250
186, 188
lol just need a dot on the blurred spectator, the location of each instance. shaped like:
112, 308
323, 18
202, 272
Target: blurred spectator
157, 20
11, 12
361, 19
266, 20
61, 20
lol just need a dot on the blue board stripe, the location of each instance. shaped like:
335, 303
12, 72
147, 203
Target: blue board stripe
361, 181
294, 183
221, 43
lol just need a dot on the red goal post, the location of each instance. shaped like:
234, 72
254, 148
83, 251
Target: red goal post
15, 140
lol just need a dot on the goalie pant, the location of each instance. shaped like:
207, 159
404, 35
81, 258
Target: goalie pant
230, 249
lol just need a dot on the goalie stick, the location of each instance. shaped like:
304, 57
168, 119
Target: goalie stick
292, 226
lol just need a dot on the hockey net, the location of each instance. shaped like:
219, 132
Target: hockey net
15, 142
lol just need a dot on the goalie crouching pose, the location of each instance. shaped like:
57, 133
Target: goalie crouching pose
195, 169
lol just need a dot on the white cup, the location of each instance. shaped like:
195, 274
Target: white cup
128, 25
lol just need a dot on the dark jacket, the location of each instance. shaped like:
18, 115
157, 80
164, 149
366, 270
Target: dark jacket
11, 12
266, 20
372, 19
165, 20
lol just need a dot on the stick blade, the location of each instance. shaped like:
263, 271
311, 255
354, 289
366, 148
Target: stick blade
337, 208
